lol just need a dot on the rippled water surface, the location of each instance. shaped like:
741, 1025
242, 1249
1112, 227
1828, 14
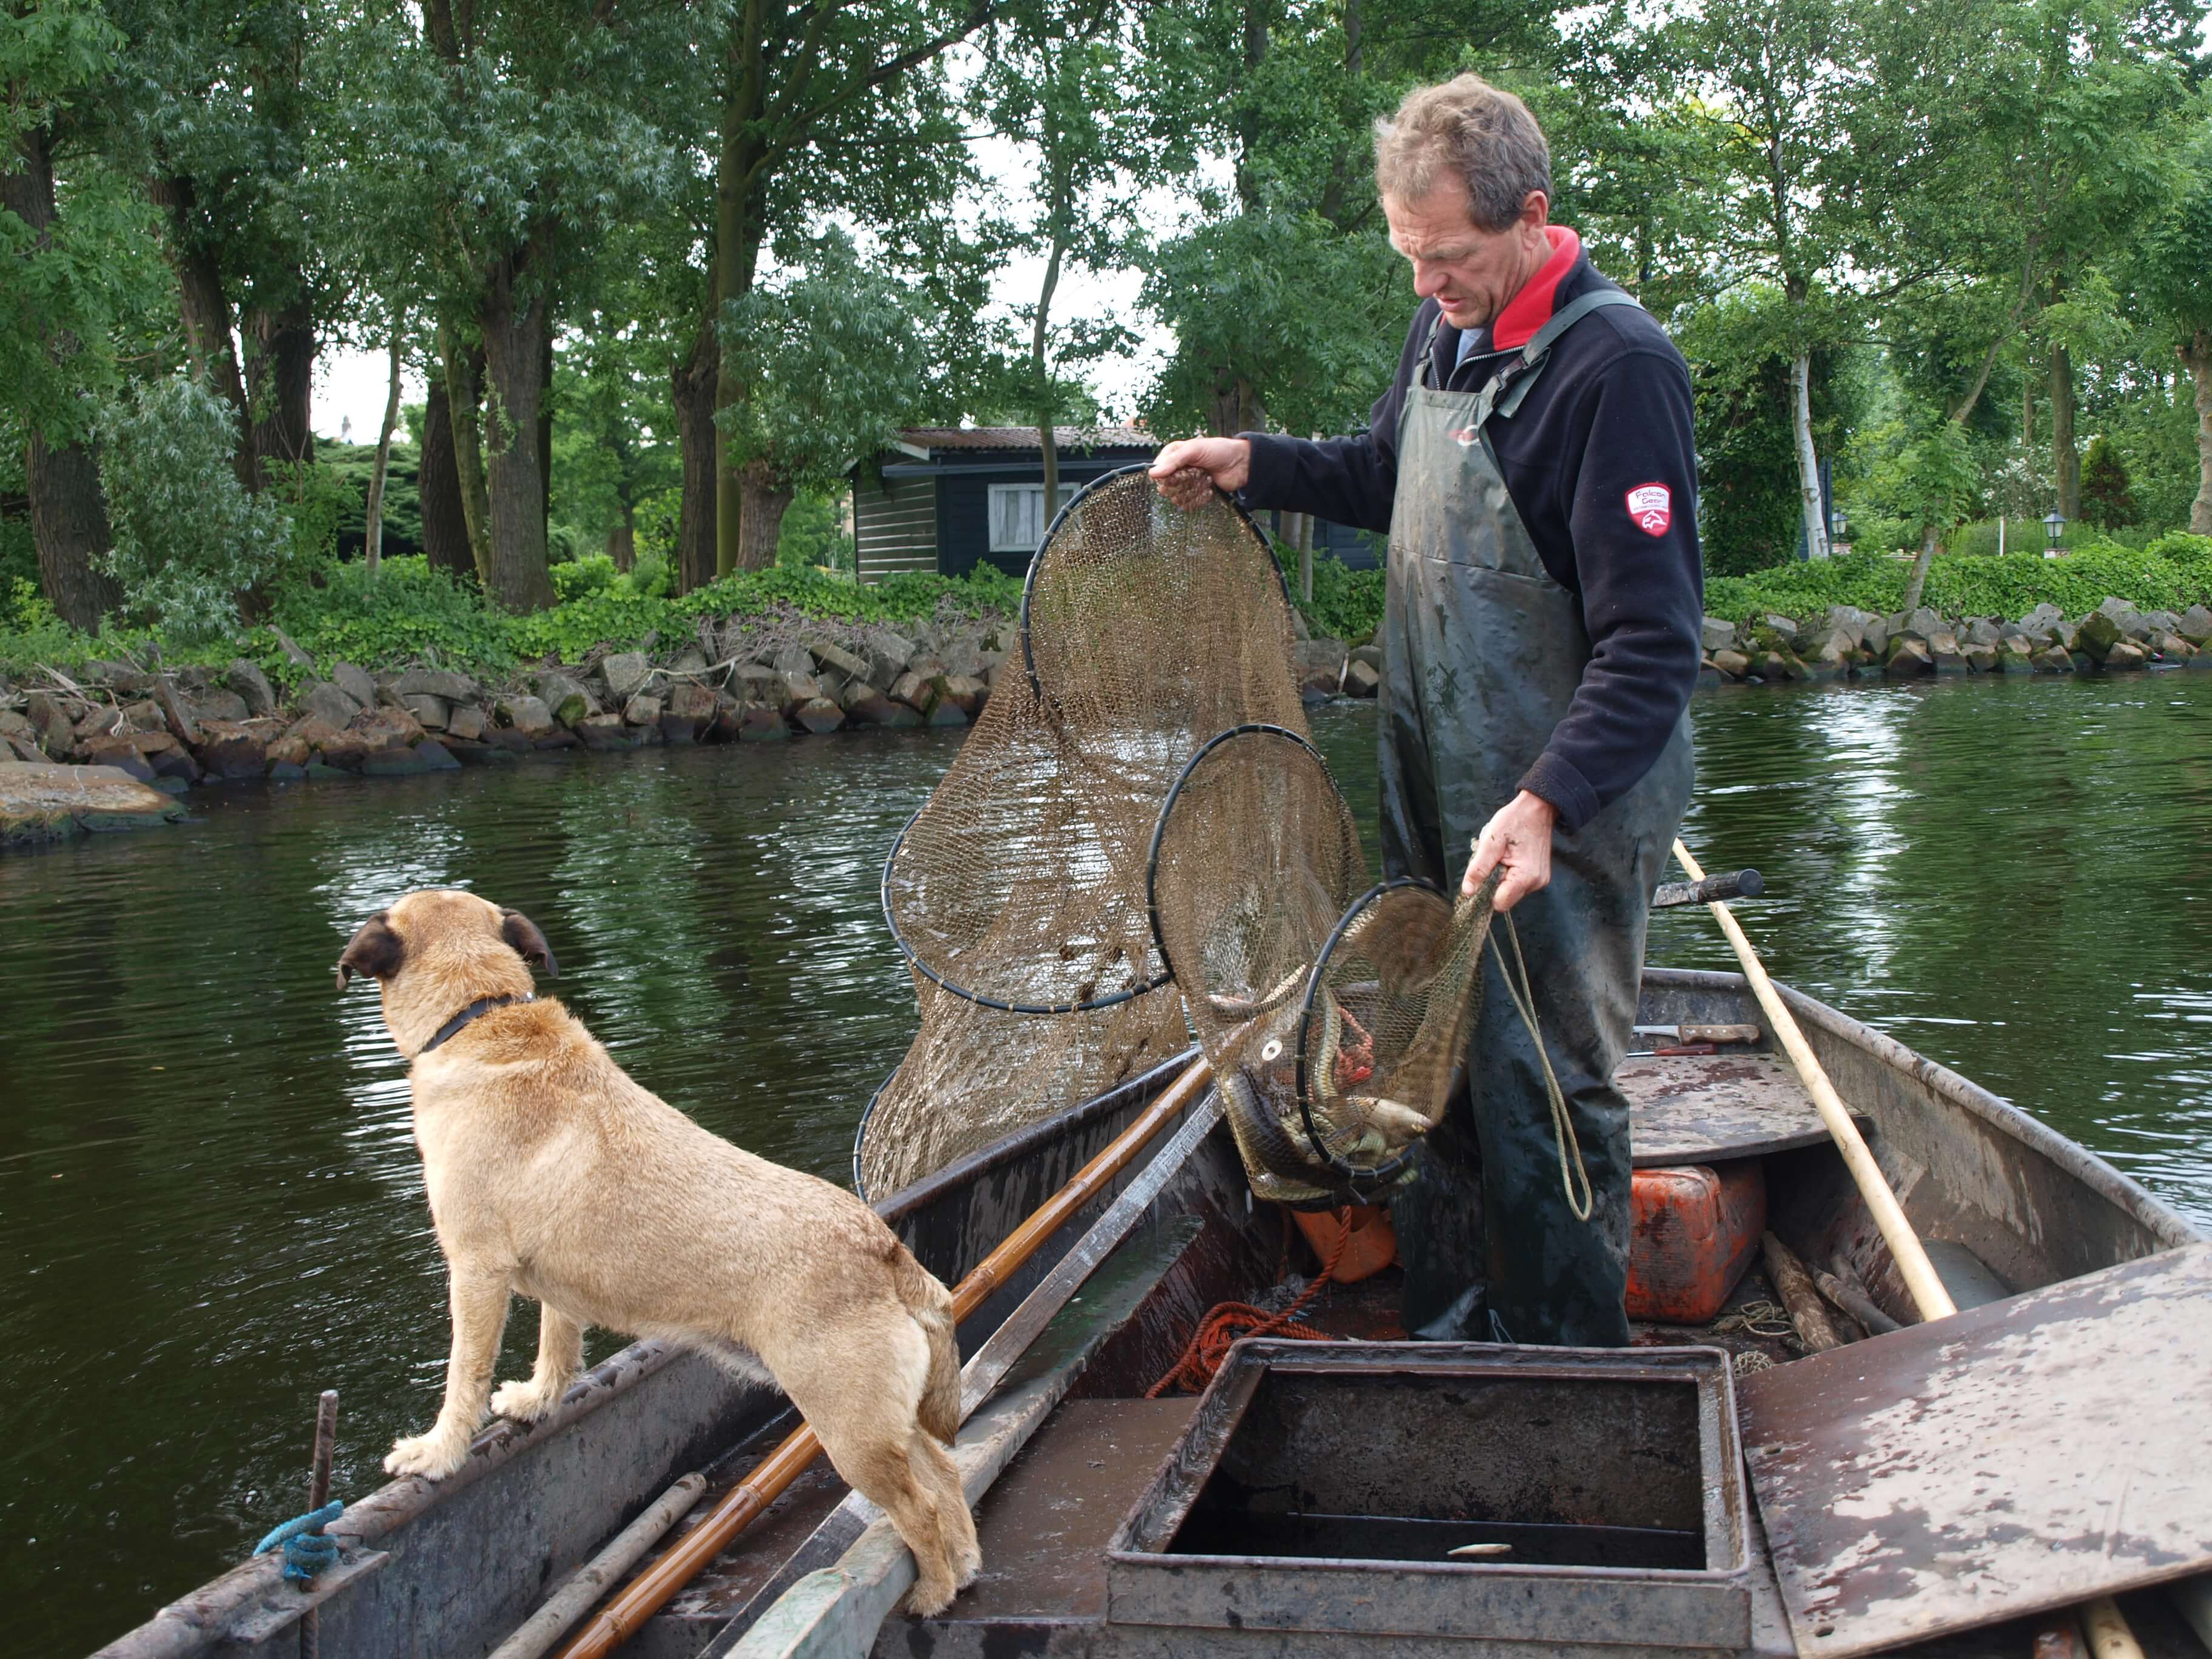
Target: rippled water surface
210, 1207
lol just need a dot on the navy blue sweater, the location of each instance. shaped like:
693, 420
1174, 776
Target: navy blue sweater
1609, 420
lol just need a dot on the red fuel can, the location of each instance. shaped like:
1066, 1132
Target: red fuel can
1695, 1230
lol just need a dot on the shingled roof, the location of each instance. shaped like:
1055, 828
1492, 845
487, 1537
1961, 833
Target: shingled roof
1025, 437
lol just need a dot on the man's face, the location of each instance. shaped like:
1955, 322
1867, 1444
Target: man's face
1471, 273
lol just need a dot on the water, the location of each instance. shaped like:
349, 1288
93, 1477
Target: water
210, 1207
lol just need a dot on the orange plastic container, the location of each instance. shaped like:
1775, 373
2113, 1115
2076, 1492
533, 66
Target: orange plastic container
1695, 1229
1373, 1246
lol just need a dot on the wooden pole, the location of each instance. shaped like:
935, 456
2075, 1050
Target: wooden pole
573, 1599
319, 1494
1920, 1277
652, 1589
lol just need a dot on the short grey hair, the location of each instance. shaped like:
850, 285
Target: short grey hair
1482, 133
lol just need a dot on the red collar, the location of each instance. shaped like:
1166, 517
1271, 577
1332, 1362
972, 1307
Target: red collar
1531, 309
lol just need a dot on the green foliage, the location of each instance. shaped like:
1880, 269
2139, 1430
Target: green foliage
406, 612
189, 538
813, 533
2108, 500
1346, 604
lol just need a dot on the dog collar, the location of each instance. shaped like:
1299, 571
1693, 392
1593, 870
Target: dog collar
480, 1006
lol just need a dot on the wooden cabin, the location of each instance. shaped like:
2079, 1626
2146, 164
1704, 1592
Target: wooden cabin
948, 499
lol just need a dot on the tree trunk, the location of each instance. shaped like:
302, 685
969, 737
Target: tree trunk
69, 524
1808, 461
372, 538
692, 383
205, 311
622, 540
740, 174
2065, 463
1040, 377
512, 318
280, 380
445, 523
68, 515
1303, 540
1237, 407
763, 520
2197, 354
545, 434
464, 374
1918, 579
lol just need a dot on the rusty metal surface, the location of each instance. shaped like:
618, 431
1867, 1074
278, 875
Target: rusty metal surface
2024, 1455
1706, 1109
1449, 1430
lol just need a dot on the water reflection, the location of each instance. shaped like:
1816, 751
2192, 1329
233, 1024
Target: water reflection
210, 1200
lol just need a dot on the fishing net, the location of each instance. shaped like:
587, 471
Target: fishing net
1254, 860
1018, 892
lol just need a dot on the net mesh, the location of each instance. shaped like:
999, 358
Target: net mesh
1255, 858
1384, 1022
1018, 890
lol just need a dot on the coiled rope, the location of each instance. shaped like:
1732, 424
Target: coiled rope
1231, 1323
307, 1550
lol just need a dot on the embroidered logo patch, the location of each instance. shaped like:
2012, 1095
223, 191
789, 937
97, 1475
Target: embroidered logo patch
1467, 437
1652, 507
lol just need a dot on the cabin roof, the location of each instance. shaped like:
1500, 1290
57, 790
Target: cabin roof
940, 438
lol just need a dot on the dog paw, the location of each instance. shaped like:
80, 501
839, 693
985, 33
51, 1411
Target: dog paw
432, 1456
925, 1599
523, 1403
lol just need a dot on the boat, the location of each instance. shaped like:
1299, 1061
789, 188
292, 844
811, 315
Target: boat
1093, 1496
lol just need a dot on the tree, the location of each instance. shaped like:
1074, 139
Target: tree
612, 445
2108, 500
832, 351
2178, 273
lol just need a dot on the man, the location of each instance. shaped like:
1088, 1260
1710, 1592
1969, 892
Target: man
1534, 465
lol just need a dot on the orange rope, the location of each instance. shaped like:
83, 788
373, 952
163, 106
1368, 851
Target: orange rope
1230, 1322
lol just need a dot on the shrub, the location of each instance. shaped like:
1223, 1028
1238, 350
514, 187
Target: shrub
405, 613
1346, 604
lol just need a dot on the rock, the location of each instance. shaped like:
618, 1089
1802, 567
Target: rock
57, 732
829, 654
752, 681
464, 722
945, 712
287, 772
914, 690
1981, 658
387, 728
2126, 653
1908, 657
690, 660
172, 761
1319, 665
354, 683
799, 685
526, 714
1783, 629
228, 750
964, 691
246, 680
2054, 660
394, 763
116, 751
435, 713
675, 728
2015, 655
893, 652
1734, 663
819, 714
1848, 621
119, 676
2046, 616
564, 698
643, 708
691, 704
289, 646
1833, 659
603, 733
1361, 678
559, 738
1873, 637
2171, 647
869, 707
2162, 621
1924, 622
2125, 616
1980, 630
436, 682
2195, 625
42, 801
758, 723
627, 673
1714, 634
793, 659
2099, 633
1370, 654
290, 749
504, 738
1943, 647
436, 757
325, 701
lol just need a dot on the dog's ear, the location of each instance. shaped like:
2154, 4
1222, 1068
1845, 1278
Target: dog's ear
520, 932
375, 950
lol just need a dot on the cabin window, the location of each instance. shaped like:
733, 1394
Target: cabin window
1018, 516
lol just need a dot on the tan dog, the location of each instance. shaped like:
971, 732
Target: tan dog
552, 1174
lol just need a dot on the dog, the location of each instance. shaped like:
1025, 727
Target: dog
550, 1173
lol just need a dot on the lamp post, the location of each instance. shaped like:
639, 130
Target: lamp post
2054, 526
1839, 527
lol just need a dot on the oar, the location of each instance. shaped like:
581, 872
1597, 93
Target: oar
1920, 1276
652, 1589
2110, 1636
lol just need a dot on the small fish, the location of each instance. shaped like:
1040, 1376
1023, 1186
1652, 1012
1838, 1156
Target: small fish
1466, 1550
1396, 1123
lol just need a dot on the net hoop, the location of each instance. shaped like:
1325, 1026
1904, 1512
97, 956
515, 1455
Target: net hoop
1167, 811
861, 1134
1036, 559
890, 920
1381, 1174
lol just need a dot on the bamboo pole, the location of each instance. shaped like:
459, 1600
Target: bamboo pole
2108, 1633
652, 1589
589, 1583
1920, 1277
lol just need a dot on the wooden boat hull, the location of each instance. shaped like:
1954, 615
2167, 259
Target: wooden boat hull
451, 1569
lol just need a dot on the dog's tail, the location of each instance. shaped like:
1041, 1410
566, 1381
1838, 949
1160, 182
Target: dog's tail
931, 1304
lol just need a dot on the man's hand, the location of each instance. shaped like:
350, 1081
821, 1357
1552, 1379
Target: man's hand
1187, 471
1519, 838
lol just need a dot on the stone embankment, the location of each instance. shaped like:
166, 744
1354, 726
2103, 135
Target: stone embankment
1844, 642
114, 724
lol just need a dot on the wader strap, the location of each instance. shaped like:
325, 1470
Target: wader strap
1512, 383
